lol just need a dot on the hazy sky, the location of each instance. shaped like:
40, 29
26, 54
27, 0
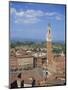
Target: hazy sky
30, 21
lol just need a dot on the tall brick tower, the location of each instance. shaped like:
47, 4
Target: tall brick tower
49, 46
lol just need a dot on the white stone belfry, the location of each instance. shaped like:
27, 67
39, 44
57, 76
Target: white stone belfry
49, 36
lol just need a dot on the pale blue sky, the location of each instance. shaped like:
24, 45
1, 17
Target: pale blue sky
30, 21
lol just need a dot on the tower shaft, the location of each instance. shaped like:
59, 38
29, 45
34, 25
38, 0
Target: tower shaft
49, 46
49, 53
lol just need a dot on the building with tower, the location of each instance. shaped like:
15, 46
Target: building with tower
43, 65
